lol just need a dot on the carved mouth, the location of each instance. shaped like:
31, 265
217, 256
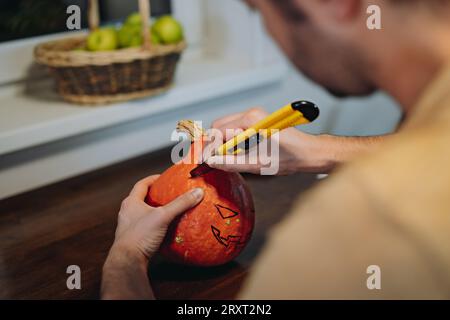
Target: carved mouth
228, 241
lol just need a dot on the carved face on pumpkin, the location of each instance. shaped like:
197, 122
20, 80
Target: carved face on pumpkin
218, 228
222, 237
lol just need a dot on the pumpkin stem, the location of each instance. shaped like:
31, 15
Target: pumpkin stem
194, 131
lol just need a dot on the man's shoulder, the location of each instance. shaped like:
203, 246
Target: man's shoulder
415, 160
405, 182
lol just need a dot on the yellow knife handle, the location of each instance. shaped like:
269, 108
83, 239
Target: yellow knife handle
230, 147
293, 120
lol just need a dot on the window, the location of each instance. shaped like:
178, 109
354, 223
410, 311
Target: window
27, 18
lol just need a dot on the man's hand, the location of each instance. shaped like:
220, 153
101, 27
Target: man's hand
140, 231
141, 228
299, 151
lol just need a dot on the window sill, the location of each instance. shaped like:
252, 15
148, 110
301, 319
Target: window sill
35, 115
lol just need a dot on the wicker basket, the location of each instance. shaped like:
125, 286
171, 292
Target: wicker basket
110, 76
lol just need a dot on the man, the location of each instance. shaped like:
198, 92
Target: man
387, 209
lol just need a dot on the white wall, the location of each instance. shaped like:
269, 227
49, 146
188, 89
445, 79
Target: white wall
374, 115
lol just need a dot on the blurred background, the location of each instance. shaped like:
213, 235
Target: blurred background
230, 65
18, 19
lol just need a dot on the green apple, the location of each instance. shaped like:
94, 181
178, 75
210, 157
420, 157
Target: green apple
168, 30
134, 19
155, 37
130, 36
104, 39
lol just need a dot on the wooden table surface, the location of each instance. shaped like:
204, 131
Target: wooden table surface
44, 231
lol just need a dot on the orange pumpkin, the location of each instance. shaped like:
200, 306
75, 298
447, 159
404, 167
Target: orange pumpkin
216, 230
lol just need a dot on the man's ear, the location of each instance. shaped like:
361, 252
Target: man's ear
341, 10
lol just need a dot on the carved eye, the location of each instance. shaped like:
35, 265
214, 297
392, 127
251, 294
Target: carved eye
226, 213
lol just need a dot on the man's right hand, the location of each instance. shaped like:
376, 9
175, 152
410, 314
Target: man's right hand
298, 151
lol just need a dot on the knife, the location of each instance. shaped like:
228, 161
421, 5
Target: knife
291, 115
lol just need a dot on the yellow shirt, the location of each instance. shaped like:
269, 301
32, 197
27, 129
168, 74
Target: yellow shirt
389, 209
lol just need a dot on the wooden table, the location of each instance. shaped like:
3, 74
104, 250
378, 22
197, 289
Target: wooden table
44, 231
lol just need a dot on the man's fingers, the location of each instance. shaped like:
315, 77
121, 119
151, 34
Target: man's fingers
239, 121
219, 123
182, 204
140, 189
242, 120
226, 132
230, 133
